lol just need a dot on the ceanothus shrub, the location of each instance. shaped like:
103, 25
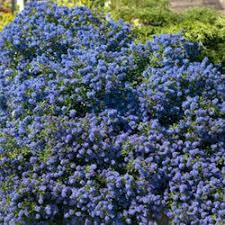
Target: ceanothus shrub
96, 129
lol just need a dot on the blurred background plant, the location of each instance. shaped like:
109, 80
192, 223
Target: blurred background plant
6, 14
5, 18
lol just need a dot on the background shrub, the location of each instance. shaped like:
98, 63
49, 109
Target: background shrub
5, 18
6, 15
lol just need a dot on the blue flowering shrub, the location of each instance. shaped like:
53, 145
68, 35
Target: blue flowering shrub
96, 129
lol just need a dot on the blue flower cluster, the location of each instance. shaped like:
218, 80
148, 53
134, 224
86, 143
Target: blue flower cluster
95, 129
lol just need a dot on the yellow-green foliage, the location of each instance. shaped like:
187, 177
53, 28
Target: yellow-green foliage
5, 18
6, 15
